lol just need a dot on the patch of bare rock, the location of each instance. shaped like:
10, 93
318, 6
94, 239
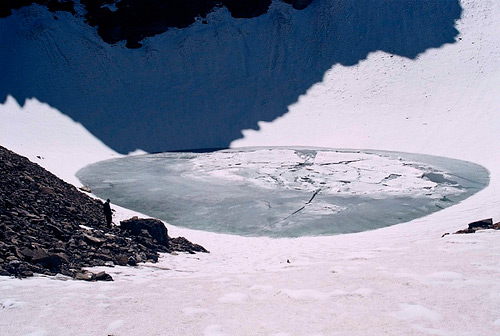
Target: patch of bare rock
483, 224
49, 227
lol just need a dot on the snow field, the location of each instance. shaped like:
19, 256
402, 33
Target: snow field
400, 280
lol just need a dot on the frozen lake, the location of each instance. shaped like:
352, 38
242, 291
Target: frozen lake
285, 192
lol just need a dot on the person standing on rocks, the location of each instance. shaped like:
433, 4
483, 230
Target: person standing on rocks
108, 213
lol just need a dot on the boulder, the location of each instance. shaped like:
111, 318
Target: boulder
93, 240
132, 261
86, 276
465, 231
51, 261
481, 224
182, 244
85, 189
121, 260
103, 276
89, 276
154, 227
37, 254
58, 233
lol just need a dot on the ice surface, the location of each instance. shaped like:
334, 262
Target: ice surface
285, 192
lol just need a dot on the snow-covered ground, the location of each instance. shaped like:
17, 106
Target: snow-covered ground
49, 138
400, 280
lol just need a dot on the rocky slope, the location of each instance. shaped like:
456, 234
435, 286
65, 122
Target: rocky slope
133, 20
47, 226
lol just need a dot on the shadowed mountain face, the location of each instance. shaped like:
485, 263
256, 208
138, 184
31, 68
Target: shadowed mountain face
199, 86
133, 20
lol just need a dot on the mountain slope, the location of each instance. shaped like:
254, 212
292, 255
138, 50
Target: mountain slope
199, 87
133, 20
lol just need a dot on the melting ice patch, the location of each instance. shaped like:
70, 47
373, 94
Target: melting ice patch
328, 172
285, 191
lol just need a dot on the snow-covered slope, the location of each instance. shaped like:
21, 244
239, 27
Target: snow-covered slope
198, 87
401, 280
54, 141
445, 102
49, 138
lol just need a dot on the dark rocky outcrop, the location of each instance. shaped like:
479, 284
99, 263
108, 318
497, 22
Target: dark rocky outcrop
483, 224
89, 276
182, 244
6, 6
148, 228
133, 20
151, 232
47, 226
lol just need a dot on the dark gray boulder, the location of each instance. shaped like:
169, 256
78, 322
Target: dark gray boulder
481, 224
154, 227
89, 276
103, 276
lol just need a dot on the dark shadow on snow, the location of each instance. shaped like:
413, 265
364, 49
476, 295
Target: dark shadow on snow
200, 86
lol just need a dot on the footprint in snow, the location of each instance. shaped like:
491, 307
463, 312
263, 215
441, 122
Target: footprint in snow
10, 304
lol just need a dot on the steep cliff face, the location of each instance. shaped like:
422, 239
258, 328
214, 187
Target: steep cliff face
200, 86
133, 20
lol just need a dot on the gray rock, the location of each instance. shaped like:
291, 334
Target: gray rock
103, 276
154, 227
121, 260
481, 224
52, 262
86, 276
93, 240
85, 189
132, 261
39, 254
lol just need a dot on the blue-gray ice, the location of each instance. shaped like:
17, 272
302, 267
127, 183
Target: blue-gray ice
285, 192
